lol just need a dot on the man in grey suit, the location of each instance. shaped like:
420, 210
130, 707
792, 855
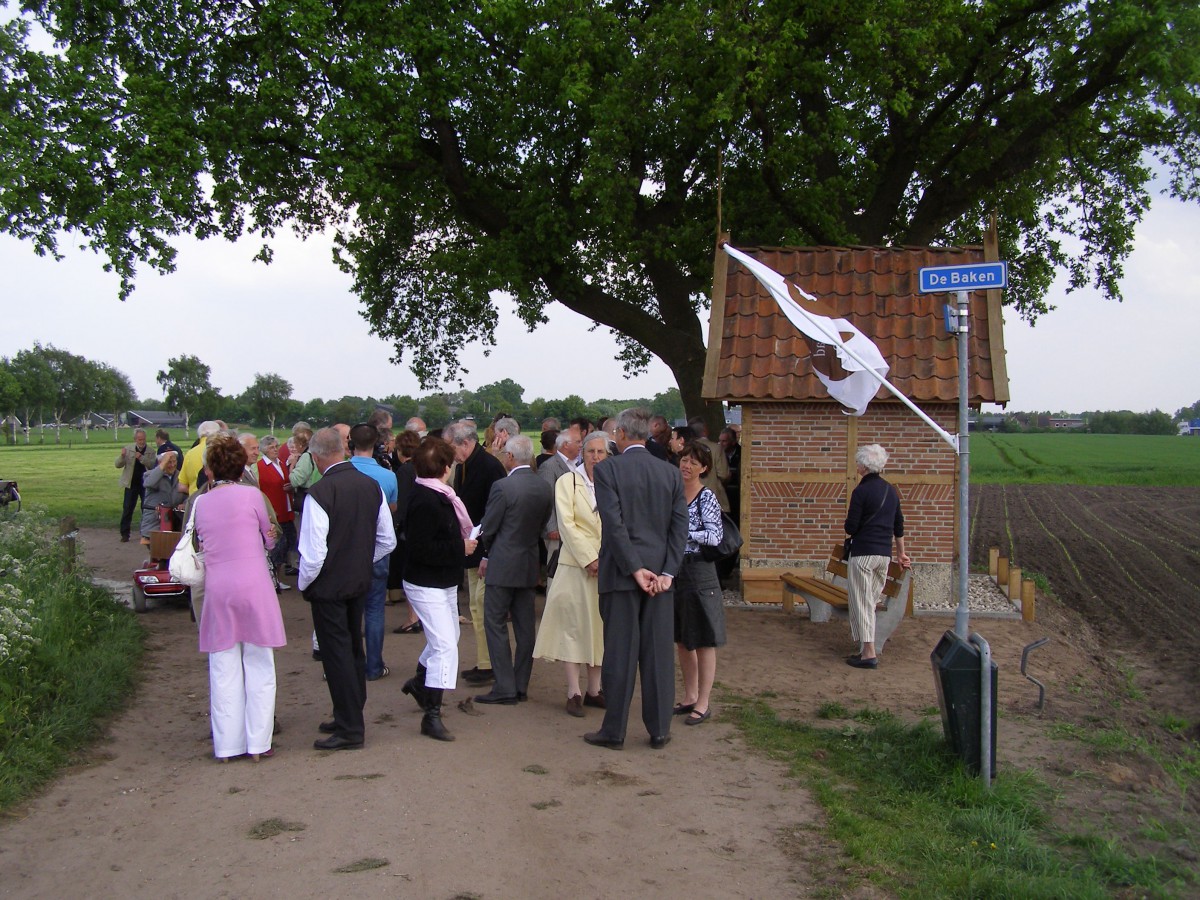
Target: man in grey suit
643, 522
517, 509
566, 447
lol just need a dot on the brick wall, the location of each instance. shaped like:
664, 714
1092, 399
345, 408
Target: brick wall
798, 470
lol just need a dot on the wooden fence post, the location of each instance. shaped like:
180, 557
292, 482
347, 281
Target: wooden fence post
1028, 591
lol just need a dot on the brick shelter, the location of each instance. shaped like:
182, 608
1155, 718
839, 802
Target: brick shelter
797, 444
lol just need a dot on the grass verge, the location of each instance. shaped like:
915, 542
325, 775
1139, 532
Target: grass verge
68, 652
910, 819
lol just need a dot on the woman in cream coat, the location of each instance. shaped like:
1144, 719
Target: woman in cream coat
571, 629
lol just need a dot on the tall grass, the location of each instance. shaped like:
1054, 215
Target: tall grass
70, 651
1092, 459
912, 822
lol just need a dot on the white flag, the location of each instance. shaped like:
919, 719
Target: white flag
840, 354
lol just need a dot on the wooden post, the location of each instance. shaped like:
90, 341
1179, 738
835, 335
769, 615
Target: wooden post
1014, 583
1002, 573
1028, 591
68, 530
993, 559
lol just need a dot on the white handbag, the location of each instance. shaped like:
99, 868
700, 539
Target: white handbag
187, 563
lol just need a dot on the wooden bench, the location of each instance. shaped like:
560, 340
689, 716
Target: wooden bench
828, 596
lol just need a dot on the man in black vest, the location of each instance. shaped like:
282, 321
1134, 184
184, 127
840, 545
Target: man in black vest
345, 528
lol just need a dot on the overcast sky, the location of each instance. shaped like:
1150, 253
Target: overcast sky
298, 318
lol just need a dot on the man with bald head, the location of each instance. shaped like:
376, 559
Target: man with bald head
345, 529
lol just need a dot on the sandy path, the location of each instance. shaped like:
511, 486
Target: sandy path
517, 806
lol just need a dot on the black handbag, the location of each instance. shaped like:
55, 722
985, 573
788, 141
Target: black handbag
846, 548
731, 541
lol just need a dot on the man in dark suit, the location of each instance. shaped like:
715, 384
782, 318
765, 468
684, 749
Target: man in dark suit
475, 473
345, 528
517, 511
643, 521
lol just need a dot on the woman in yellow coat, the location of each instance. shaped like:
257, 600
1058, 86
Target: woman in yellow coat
571, 630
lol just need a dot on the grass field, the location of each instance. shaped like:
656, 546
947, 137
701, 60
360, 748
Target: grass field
1095, 459
78, 478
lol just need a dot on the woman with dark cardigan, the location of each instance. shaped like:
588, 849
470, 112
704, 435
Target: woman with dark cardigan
873, 520
402, 464
437, 544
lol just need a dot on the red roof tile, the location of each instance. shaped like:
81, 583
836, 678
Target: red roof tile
761, 356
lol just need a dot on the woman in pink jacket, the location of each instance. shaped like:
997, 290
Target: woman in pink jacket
242, 622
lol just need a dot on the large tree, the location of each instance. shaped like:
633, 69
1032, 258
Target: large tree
569, 152
37, 385
188, 387
268, 396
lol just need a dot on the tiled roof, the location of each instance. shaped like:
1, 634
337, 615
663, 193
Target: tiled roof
757, 354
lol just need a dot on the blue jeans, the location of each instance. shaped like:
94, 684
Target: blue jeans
373, 618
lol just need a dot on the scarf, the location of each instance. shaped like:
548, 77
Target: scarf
464, 521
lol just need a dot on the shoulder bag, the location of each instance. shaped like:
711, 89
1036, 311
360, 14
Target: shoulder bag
187, 563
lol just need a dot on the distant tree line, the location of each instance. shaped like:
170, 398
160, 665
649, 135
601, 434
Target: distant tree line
1095, 422
47, 387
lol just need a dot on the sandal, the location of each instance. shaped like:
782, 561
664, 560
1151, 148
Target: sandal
695, 718
414, 628
682, 709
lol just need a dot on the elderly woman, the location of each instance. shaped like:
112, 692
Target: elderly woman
437, 543
699, 602
273, 482
571, 629
162, 489
873, 521
242, 623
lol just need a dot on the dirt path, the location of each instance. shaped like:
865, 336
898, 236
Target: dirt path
517, 806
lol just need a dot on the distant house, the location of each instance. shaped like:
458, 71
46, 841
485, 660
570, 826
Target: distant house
1065, 424
93, 420
153, 418
798, 446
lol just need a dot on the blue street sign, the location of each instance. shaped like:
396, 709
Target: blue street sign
970, 277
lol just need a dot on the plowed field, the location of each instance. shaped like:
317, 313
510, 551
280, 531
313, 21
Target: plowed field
1126, 558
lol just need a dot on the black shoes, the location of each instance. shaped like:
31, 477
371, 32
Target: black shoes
657, 743
596, 739
336, 742
859, 663
327, 727
477, 675
493, 698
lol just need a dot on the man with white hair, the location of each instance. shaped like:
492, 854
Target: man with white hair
566, 447
503, 428
517, 510
417, 424
191, 474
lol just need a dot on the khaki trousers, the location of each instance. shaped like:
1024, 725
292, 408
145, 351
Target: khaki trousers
475, 587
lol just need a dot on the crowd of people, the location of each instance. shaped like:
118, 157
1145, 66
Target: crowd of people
611, 520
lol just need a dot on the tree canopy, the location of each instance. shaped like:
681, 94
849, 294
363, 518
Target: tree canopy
569, 152
189, 389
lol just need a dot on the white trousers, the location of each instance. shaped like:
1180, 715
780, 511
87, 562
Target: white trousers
437, 608
867, 575
241, 685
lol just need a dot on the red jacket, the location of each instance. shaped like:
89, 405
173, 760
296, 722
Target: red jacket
271, 484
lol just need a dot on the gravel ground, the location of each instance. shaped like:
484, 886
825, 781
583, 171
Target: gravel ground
982, 595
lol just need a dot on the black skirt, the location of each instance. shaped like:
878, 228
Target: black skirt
699, 605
